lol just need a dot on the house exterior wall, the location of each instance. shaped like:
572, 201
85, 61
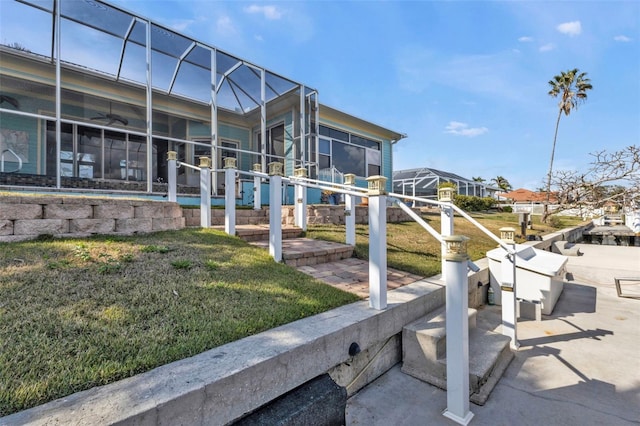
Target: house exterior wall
89, 98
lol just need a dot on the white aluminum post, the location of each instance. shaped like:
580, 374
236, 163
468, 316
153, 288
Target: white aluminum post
350, 211
257, 187
446, 220
275, 211
377, 242
172, 183
205, 192
457, 328
508, 289
300, 196
230, 195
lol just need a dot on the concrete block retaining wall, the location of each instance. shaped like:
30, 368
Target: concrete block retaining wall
27, 217
572, 235
316, 214
243, 216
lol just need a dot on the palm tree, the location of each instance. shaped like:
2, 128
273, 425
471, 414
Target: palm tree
572, 87
502, 183
478, 179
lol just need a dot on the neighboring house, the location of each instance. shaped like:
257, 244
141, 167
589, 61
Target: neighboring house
127, 90
524, 196
424, 182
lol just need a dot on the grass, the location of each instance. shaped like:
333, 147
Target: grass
77, 313
410, 248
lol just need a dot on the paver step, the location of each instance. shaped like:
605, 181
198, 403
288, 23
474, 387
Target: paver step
260, 232
424, 354
298, 252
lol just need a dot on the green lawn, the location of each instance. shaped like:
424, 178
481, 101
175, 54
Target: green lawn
76, 313
411, 248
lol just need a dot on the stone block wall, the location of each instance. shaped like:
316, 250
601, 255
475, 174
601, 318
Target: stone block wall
26, 217
243, 217
325, 213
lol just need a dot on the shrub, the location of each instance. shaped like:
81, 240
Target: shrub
555, 221
472, 203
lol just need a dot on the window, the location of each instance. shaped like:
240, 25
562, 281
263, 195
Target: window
348, 158
90, 153
225, 153
348, 153
275, 144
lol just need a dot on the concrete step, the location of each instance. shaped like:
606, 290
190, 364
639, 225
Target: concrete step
429, 333
298, 252
424, 354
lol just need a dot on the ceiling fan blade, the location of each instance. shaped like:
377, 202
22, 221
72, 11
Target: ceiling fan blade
11, 100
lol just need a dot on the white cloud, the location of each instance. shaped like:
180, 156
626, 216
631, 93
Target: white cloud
225, 26
571, 29
182, 25
270, 12
462, 129
547, 47
622, 38
525, 39
259, 38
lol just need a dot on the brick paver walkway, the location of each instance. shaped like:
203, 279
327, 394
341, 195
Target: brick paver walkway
352, 275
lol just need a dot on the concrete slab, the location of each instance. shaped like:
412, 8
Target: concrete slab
577, 366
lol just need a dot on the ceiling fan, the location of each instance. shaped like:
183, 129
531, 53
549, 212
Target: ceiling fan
10, 100
111, 117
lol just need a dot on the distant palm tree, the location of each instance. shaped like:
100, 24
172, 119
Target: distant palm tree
502, 183
478, 179
572, 88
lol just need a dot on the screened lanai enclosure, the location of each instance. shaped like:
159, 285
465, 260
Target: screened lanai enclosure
424, 182
94, 96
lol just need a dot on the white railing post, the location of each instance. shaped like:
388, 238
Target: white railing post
205, 192
350, 211
257, 186
275, 211
172, 182
377, 242
445, 194
300, 197
230, 195
508, 288
457, 328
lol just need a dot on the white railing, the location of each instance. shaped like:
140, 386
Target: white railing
455, 262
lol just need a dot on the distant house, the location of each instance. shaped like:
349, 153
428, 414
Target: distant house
524, 196
424, 182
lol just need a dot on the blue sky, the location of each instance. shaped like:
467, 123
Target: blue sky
465, 80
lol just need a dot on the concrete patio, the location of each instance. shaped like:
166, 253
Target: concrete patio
578, 366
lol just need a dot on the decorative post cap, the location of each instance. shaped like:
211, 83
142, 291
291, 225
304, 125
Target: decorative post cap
257, 167
300, 172
508, 235
230, 163
172, 155
275, 169
377, 185
446, 193
349, 179
456, 248
205, 162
